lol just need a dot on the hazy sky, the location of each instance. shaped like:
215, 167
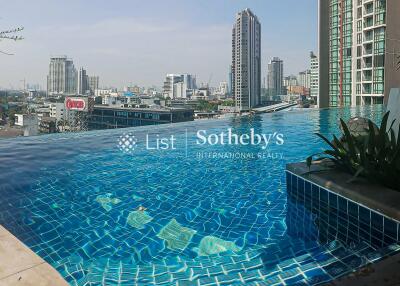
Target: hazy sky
138, 42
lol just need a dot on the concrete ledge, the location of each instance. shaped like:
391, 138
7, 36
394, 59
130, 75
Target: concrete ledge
21, 266
376, 197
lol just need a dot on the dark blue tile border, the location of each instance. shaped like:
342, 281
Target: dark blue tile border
340, 218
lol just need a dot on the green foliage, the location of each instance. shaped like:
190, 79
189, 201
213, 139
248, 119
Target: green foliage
204, 105
228, 102
375, 156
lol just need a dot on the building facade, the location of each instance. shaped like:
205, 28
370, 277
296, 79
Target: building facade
93, 84
62, 77
83, 82
179, 86
57, 111
246, 61
48, 125
359, 41
275, 77
304, 78
106, 117
314, 81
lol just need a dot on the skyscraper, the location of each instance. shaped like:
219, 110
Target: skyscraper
359, 42
93, 84
246, 61
275, 77
83, 82
62, 76
314, 84
305, 78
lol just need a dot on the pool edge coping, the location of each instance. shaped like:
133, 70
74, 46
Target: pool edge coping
22, 266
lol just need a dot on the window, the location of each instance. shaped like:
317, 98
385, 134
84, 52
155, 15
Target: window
379, 61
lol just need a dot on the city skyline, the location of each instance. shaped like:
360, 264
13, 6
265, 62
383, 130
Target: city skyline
140, 48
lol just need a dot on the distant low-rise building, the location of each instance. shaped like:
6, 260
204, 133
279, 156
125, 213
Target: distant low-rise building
48, 125
108, 117
57, 110
100, 92
298, 90
179, 86
29, 123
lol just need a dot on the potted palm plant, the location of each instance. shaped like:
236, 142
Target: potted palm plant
373, 155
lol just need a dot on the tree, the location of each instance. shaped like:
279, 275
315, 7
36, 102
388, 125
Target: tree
10, 35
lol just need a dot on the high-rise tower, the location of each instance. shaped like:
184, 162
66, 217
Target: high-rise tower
359, 42
246, 61
62, 76
275, 77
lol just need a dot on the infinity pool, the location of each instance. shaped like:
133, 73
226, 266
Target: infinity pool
105, 211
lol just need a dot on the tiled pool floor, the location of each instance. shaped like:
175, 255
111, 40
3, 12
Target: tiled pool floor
296, 263
103, 217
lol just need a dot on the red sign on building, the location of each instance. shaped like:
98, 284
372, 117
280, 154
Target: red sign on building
75, 103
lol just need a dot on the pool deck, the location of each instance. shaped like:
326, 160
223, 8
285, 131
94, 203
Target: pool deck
21, 266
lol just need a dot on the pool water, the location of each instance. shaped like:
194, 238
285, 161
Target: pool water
103, 213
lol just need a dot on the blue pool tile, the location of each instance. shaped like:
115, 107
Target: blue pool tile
300, 184
307, 187
250, 276
365, 234
319, 279
365, 215
324, 196
207, 281
337, 269
315, 194
353, 209
200, 272
333, 201
294, 280
295, 184
377, 221
289, 180
228, 279
390, 228
342, 205
387, 240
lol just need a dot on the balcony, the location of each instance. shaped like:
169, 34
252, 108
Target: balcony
367, 52
367, 66
368, 22
367, 77
367, 88
368, 37
368, 9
